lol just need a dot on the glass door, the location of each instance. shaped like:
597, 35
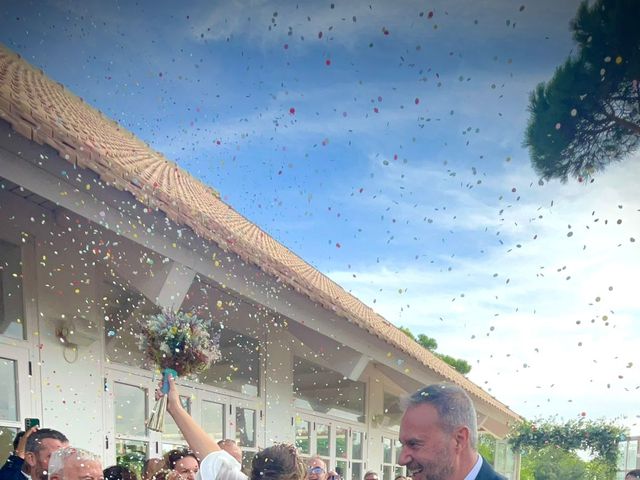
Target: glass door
128, 399
391, 448
339, 444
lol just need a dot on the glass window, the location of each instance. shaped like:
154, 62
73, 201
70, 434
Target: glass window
7, 434
130, 409
213, 419
171, 433
632, 455
131, 454
341, 467
390, 453
327, 391
356, 471
323, 434
302, 436
387, 454
11, 303
8, 394
356, 452
246, 427
239, 366
398, 446
342, 434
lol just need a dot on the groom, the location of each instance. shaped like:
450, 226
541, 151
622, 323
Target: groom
439, 436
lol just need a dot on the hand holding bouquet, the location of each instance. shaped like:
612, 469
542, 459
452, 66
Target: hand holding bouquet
180, 344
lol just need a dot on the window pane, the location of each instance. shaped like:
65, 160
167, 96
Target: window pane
386, 450
356, 471
7, 434
356, 447
327, 391
341, 442
322, 439
302, 436
213, 419
8, 394
171, 432
131, 454
632, 454
399, 471
246, 427
341, 468
387, 473
11, 306
239, 367
398, 446
130, 409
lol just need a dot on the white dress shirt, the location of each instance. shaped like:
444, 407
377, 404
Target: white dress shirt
475, 470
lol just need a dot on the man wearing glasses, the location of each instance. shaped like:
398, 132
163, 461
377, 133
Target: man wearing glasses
317, 470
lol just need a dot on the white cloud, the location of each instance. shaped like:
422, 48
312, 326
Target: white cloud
533, 319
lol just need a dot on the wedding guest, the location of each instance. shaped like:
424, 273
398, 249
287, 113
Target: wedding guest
32, 452
184, 462
70, 463
15, 467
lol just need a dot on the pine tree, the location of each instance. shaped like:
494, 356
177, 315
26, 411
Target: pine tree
588, 114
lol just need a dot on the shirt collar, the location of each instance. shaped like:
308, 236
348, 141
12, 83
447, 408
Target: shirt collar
475, 470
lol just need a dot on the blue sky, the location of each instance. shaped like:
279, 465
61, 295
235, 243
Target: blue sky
381, 141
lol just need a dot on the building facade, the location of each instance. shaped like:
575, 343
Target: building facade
98, 231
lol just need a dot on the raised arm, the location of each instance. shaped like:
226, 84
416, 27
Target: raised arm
199, 441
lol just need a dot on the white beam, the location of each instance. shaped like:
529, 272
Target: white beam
175, 287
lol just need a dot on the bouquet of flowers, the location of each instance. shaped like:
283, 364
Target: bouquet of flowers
180, 344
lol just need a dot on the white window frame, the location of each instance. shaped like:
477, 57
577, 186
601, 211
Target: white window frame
333, 425
197, 393
396, 468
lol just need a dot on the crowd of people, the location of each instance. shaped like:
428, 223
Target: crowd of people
438, 433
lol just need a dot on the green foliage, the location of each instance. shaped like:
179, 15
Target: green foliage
408, 333
487, 447
588, 114
459, 364
431, 344
598, 437
427, 342
552, 463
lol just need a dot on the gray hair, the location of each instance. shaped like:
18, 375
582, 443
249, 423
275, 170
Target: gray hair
60, 457
318, 458
453, 405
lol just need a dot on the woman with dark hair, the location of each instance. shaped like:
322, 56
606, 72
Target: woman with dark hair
280, 462
151, 467
118, 472
184, 462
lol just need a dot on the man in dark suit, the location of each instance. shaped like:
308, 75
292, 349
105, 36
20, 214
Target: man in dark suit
439, 436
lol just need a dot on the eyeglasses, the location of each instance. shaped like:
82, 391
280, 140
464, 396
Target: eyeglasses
316, 470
